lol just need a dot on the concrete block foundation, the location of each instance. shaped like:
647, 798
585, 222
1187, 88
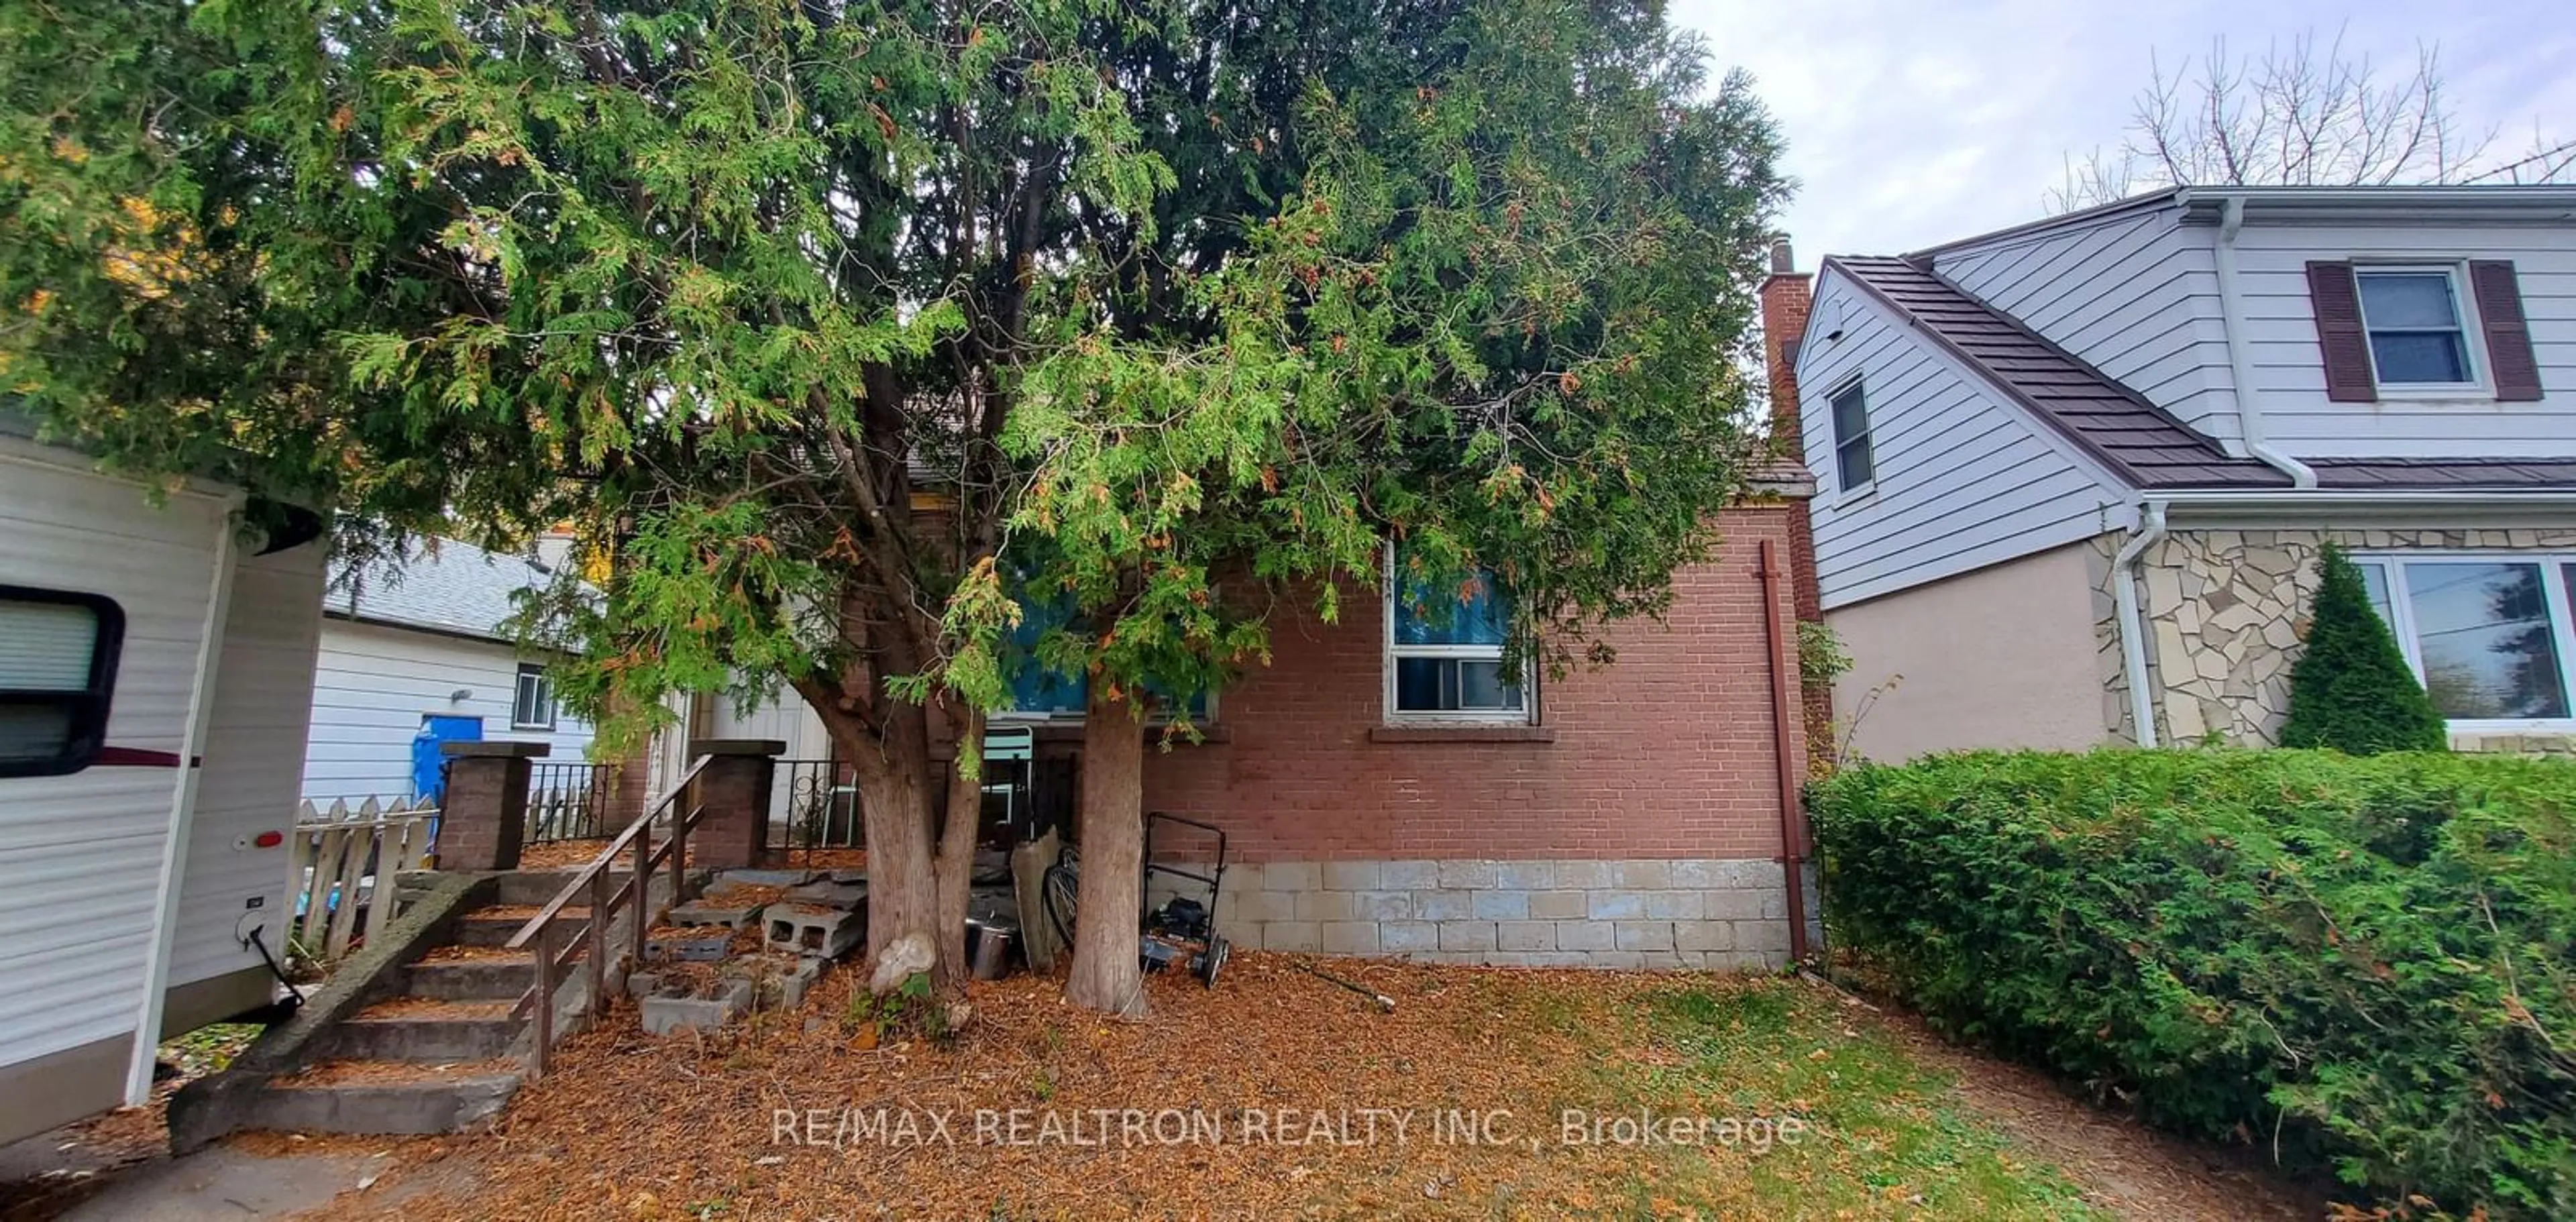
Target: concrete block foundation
1689, 913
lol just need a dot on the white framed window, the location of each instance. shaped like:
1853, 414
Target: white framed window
58, 654
1444, 650
2417, 321
2489, 634
1855, 465
532, 706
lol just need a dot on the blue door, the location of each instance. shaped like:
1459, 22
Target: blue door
428, 767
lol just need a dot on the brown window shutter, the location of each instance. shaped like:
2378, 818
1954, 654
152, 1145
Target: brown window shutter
2509, 355
2337, 301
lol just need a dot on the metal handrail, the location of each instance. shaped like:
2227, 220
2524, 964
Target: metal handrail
591, 882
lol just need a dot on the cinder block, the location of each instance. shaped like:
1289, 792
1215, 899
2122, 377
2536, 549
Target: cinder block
1442, 905
1642, 875
1350, 876
813, 929
1559, 906
1466, 875
1738, 961
1771, 936
1524, 875
1382, 905
1644, 935
1405, 937
1582, 875
1408, 875
1291, 935
1243, 877
1467, 935
1350, 937
1524, 935
1664, 961
671, 1015
1585, 935
1673, 905
1730, 905
1703, 935
1616, 960
1616, 906
1291, 876
1270, 906
1323, 905
1498, 905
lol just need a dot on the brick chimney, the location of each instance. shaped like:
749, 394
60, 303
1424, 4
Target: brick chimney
1786, 295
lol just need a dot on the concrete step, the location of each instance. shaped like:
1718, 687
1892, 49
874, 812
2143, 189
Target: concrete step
419, 1029
472, 973
499, 923
540, 887
391, 1097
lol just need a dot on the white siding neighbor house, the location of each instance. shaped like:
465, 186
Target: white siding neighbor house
413, 652
2074, 476
156, 674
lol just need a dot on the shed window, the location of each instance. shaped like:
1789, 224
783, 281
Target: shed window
1854, 465
532, 707
57, 669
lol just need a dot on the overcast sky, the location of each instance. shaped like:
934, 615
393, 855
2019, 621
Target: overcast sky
1914, 122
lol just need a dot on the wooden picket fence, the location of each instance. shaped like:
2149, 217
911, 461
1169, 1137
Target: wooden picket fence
345, 859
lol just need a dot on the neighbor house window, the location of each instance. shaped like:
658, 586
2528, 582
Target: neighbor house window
1444, 648
57, 669
2418, 335
2488, 634
533, 707
1854, 465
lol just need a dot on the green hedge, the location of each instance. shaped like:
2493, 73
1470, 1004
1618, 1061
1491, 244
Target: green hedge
2368, 964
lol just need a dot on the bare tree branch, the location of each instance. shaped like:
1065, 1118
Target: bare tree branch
2309, 113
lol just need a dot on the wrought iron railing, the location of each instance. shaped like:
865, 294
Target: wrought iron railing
568, 801
818, 807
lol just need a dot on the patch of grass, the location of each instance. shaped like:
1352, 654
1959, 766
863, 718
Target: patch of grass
1882, 1136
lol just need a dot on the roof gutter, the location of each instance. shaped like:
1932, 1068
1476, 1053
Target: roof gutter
2240, 360
2133, 628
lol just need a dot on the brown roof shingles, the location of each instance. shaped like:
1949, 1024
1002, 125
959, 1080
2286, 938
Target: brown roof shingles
2139, 441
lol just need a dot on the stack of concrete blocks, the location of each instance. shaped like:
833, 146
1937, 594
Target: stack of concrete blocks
820, 920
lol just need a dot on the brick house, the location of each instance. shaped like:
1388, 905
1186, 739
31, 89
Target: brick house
1385, 795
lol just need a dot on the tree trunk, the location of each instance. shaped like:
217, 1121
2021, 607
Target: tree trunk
917, 871
953, 866
1111, 821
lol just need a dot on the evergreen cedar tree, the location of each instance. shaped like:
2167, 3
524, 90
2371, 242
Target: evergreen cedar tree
842, 334
2351, 689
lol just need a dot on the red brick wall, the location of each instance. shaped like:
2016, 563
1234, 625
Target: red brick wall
1787, 298
1666, 753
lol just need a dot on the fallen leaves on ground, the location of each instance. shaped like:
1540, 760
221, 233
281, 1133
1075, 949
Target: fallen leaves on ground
1275, 1093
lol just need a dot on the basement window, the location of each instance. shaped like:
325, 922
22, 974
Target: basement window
58, 654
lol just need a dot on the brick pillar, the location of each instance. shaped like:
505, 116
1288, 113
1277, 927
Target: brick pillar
483, 821
734, 790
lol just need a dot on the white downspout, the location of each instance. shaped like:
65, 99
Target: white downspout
183, 803
2240, 361
2133, 628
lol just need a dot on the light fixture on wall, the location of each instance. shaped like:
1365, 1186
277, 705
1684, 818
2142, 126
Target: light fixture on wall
460, 695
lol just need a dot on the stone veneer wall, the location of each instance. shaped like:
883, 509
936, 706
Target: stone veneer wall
2225, 612
1689, 913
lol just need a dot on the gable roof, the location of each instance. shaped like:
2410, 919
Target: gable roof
437, 585
2140, 442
